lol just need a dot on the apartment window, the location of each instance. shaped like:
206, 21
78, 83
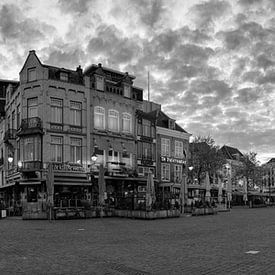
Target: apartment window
165, 147
100, 83
64, 76
75, 150
126, 123
99, 117
178, 173
56, 110
127, 159
127, 91
18, 116
113, 118
178, 149
56, 148
146, 124
75, 113
113, 156
31, 74
147, 150
32, 107
100, 156
165, 171
30, 148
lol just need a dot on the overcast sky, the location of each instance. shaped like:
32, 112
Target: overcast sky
211, 62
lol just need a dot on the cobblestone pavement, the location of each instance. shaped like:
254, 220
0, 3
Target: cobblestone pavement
187, 245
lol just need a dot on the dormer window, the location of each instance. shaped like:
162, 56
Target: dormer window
100, 83
171, 124
127, 91
31, 74
64, 76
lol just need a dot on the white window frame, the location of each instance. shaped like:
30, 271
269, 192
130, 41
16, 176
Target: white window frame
178, 149
56, 106
75, 145
64, 76
55, 144
75, 110
113, 114
126, 118
99, 112
32, 105
165, 147
165, 172
177, 172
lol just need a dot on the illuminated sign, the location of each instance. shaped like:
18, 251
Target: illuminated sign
173, 160
67, 167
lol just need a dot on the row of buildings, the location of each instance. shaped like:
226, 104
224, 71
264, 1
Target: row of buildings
78, 120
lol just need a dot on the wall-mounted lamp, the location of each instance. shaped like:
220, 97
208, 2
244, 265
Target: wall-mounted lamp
94, 157
10, 159
190, 168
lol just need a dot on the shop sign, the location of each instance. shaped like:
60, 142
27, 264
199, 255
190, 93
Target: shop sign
173, 160
67, 167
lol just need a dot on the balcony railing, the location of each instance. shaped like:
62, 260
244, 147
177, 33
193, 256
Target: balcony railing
30, 166
31, 125
10, 134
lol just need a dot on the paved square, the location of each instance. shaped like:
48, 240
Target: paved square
188, 245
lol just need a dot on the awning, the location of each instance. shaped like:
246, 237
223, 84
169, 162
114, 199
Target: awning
29, 182
170, 184
7, 185
72, 183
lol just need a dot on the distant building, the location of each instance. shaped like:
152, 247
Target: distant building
268, 176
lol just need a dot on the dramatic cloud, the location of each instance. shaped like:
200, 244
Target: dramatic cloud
211, 62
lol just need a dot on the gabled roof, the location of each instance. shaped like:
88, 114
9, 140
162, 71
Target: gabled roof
162, 120
231, 152
271, 160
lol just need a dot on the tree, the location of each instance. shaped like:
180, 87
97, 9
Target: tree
250, 169
205, 157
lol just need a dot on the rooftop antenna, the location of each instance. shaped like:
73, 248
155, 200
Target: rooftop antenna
148, 86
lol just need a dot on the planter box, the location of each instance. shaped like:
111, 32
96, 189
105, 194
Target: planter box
203, 211
147, 215
39, 215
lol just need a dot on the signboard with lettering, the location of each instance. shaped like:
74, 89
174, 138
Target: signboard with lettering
173, 160
66, 167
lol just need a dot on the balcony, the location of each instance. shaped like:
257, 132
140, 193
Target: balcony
31, 125
30, 166
146, 160
10, 134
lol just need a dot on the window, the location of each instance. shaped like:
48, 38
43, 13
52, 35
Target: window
13, 120
75, 150
56, 110
177, 173
56, 148
30, 148
178, 149
32, 107
147, 150
127, 159
99, 117
31, 74
146, 124
126, 123
127, 91
100, 83
165, 171
113, 120
32, 194
171, 124
64, 76
100, 156
18, 116
165, 147
75, 113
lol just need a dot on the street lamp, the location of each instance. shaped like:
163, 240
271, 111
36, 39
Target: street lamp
94, 157
10, 159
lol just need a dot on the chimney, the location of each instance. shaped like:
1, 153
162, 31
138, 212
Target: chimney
99, 65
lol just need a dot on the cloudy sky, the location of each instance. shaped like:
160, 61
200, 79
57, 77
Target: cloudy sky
211, 62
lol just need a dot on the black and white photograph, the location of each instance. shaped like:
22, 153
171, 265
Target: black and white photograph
137, 137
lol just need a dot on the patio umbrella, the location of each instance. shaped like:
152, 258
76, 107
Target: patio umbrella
219, 190
229, 189
245, 191
207, 187
150, 191
50, 188
101, 186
